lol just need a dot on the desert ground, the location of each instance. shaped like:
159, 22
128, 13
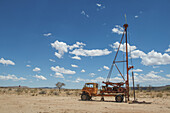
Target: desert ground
37, 100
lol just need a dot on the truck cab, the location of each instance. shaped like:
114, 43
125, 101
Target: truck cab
89, 90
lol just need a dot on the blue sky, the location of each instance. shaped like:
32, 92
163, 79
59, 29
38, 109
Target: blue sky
74, 41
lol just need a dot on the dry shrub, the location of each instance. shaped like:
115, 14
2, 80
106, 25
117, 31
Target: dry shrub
42, 92
68, 93
55, 93
19, 91
167, 94
159, 95
9, 89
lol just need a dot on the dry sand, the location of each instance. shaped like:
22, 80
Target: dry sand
72, 104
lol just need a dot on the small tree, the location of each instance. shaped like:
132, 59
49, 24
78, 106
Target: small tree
59, 85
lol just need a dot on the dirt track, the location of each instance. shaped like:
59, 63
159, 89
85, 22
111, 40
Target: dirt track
55, 104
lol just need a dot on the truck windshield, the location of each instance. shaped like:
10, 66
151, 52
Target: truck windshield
89, 85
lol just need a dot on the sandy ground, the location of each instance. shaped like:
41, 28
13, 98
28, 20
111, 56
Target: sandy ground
73, 104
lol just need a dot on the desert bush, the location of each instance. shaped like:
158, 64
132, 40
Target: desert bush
33, 91
55, 93
26, 90
167, 94
19, 91
10, 89
68, 93
76, 93
159, 95
34, 94
42, 92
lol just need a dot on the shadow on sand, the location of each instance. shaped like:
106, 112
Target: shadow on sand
129, 102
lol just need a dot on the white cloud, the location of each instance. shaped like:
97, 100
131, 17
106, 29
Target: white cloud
36, 69
28, 65
62, 47
99, 5
11, 77
161, 71
106, 67
40, 77
136, 74
136, 16
152, 78
137, 54
122, 47
77, 45
118, 29
59, 75
93, 52
73, 65
62, 70
151, 58
155, 58
155, 67
51, 60
98, 79
48, 34
84, 13
76, 57
92, 74
168, 50
83, 71
168, 75
6, 62
99, 70
137, 70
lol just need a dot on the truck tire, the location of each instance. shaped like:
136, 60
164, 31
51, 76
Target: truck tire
84, 97
119, 98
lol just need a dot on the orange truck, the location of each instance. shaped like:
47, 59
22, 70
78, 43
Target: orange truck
91, 90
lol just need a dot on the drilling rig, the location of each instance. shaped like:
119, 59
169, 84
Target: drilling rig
119, 90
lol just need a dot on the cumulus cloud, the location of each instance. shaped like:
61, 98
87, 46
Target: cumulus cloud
92, 74
152, 78
83, 71
62, 47
40, 77
51, 60
47, 34
85, 14
76, 57
118, 29
36, 69
28, 65
137, 54
61, 70
106, 67
99, 5
168, 50
151, 58
98, 79
93, 52
168, 75
137, 70
59, 75
73, 65
11, 77
155, 58
6, 62
122, 47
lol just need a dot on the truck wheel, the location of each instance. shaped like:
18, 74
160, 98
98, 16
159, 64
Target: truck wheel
84, 97
88, 97
119, 98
